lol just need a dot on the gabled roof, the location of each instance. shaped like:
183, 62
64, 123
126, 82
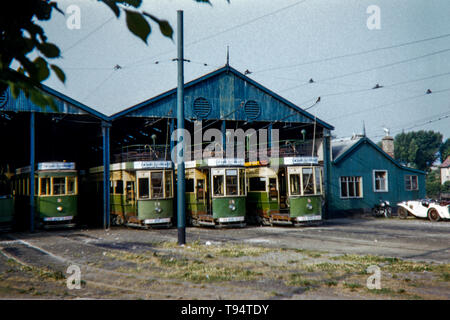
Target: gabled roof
346, 149
446, 163
64, 104
210, 75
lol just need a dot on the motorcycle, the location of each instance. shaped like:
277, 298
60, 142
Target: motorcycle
382, 209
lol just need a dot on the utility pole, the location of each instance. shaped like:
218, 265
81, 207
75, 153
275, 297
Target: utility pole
181, 204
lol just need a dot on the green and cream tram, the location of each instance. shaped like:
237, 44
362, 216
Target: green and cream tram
289, 191
6, 203
55, 191
215, 192
141, 192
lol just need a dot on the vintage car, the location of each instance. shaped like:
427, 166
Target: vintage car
432, 209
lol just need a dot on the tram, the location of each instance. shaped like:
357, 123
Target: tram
141, 191
215, 192
56, 193
6, 203
288, 191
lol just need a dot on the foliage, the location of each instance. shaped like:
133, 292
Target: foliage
445, 188
444, 150
20, 35
418, 148
433, 184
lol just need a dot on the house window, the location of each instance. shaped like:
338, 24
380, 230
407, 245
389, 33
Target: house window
351, 187
380, 180
411, 183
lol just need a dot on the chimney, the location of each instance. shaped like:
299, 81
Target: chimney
387, 144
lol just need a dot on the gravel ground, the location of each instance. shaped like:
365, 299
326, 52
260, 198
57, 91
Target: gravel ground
323, 262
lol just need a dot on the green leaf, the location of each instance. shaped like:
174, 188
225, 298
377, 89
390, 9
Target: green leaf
113, 6
164, 25
137, 24
50, 50
42, 71
59, 73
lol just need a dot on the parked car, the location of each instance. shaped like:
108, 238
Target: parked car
427, 208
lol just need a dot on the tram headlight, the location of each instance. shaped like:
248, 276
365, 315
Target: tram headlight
59, 208
309, 206
232, 205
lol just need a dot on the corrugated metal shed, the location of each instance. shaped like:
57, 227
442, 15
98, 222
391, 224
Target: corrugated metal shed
64, 104
231, 96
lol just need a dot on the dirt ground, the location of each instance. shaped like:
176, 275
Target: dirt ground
331, 261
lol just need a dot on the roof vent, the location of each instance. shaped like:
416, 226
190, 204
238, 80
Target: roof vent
3, 98
252, 109
202, 108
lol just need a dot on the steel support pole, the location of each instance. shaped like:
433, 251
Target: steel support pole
181, 204
32, 167
106, 179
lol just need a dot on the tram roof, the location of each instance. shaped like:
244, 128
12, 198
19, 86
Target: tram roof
225, 93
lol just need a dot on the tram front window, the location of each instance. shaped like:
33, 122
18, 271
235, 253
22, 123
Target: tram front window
218, 185
232, 182
257, 184
294, 181
308, 181
59, 186
143, 188
168, 183
157, 187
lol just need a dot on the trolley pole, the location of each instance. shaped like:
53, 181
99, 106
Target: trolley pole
181, 205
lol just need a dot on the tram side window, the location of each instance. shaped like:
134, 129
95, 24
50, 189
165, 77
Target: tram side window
189, 185
59, 186
45, 187
200, 189
257, 184
118, 189
308, 181
295, 184
218, 185
130, 190
318, 181
273, 192
232, 182
71, 185
241, 182
143, 188
157, 185
168, 183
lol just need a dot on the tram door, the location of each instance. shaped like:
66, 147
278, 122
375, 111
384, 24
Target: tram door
130, 194
207, 191
282, 182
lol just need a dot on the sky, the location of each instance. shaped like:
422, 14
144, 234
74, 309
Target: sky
283, 44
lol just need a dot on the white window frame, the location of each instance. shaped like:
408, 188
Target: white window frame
361, 187
374, 180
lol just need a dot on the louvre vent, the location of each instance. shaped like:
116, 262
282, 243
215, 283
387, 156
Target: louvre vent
3, 99
201, 107
252, 109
